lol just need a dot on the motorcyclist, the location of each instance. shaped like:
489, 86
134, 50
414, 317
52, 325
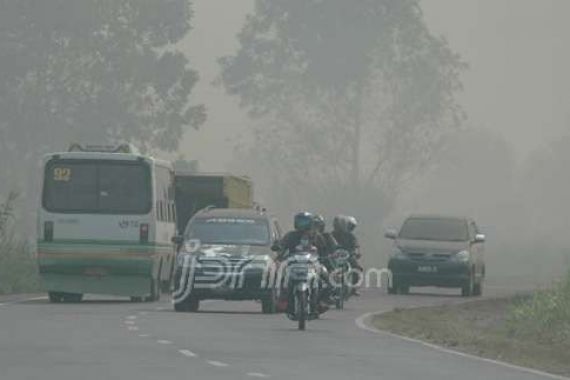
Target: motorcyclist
330, 245
304, 233
343, 232
304, 229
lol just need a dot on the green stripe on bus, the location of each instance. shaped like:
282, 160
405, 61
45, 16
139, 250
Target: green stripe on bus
91, 242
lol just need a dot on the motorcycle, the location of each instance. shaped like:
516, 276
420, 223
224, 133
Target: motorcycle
302, 276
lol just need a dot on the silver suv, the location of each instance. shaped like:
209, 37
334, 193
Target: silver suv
437, 251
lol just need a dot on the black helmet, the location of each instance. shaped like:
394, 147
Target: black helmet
338, 223
304, 221
320, 223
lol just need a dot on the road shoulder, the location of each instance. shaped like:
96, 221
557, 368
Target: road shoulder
475, 329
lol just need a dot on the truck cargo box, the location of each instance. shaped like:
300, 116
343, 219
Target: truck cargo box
196, 191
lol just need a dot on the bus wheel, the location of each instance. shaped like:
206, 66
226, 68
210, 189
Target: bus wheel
55, 297
154, 291
166, 285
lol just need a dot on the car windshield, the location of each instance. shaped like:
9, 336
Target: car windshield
97, 187
436, 229
237, 231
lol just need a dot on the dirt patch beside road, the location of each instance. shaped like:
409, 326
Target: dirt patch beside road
479, 328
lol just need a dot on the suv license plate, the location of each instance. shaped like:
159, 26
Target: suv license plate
427, 269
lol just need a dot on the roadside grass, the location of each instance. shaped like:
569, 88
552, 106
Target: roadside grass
493, 329
18, 268
544, 315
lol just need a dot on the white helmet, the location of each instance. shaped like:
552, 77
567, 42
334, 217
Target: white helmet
351, 223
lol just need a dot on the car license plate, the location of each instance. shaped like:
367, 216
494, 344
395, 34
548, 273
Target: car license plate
427, 269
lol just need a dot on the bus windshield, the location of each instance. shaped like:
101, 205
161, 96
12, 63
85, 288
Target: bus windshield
97, 187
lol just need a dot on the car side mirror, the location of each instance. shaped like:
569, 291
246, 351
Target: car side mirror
480, 238
391, 234
178, 240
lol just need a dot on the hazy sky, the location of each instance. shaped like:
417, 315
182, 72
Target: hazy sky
518, 82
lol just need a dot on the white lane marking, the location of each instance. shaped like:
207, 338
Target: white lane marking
188, 353
1, 304
164, 342
129, 322
143, 335
217, 364
131, 317
143, 313
361, 322
133, 328
258, 375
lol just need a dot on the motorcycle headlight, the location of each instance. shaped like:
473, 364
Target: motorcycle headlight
462, 256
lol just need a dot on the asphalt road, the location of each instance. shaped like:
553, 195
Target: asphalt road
116, 339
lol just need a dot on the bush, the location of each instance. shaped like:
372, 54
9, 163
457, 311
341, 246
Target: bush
18, 267
544, 315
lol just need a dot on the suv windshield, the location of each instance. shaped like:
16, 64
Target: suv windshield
229, 231
434, 229
97, 187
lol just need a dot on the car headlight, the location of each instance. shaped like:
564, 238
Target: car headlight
398, 254
181, 258
462, 256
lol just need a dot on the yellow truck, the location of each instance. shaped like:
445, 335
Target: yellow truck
196, 191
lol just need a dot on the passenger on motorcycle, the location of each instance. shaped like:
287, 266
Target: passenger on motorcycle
329, 242
343, 232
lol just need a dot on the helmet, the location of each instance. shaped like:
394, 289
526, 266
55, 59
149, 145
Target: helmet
345, 223
351, 223
338, 223
320, 223
304, 221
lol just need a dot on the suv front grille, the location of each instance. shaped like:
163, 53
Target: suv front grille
422, 256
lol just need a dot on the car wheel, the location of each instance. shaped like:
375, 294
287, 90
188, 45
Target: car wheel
190, 304
468, 287
393, 287
55, 297
166, 285
154, 291
72, 297
404, 289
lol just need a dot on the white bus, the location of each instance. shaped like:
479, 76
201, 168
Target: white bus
105, 224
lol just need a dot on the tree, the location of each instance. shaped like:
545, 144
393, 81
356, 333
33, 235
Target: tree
350, 97
94, 71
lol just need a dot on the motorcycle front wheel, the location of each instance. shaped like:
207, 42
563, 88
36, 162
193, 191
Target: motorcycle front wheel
302, 304
341, 294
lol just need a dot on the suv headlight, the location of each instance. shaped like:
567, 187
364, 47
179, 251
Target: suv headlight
462, 257
188, 249
181, 258
398, 254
